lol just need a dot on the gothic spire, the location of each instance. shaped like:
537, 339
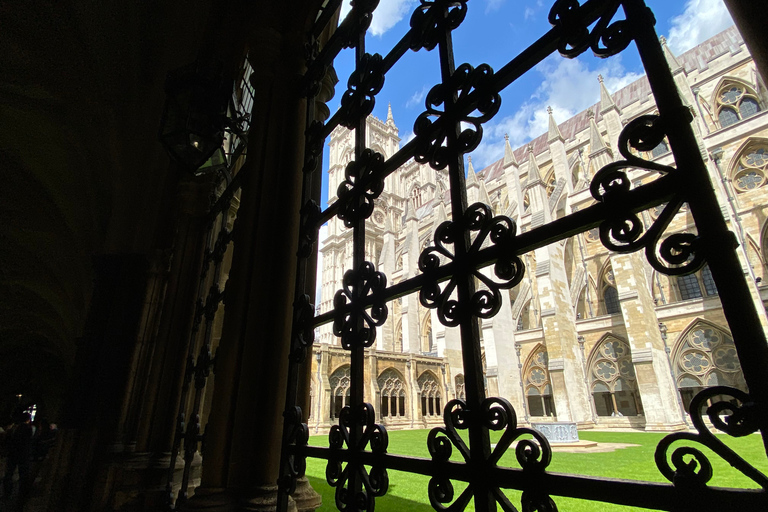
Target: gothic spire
596, 141
390, 119
509, 155
553, 134
672, 62
471, 176
606, 101
534, 174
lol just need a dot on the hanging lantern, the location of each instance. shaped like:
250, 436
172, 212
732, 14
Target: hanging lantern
192, 129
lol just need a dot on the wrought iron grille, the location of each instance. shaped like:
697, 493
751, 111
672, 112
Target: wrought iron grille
200, 359
466, 97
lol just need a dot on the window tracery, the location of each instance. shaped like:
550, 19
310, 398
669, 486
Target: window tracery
705, 356
430, 394
613, 380
340, 393
609, 292
696, 286
735, 102
392, 391
551, 183
538, 388
751, 167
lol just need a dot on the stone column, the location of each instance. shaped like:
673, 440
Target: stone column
242, 450
658, 391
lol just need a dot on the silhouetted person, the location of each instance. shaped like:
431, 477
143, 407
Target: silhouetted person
19, 448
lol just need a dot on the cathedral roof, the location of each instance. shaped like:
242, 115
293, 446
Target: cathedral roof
696, 58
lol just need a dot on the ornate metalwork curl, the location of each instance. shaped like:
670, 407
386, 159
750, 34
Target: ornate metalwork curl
431, 19
363, 85
357, 21
576, 36
355, 325
466, 81
308, 230
304, 333
494, 414
623, 231
360, 187
295, 465
374, 482
690, 467
508, 269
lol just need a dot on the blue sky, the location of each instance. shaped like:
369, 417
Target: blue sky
493, 32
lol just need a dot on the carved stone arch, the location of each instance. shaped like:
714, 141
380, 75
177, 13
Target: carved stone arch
393, 391
735, 99
608, 293
704, 355
536, 384
379, 149
430, 390
755, 256
748, 169
612, 378
340, 383
428, 344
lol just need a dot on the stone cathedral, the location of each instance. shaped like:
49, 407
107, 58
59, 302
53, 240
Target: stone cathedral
588, 336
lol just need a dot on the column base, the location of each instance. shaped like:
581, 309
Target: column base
257, 499
307, 499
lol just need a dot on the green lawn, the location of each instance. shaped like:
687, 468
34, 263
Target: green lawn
408, 492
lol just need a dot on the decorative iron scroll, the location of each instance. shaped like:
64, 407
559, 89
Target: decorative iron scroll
374, 482
429, 21
577, 37
296, 464
361, 186
623, 231
353, 324
494, 414
464, 82
509, 268
736, 417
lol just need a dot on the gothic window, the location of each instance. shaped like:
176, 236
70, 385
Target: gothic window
339, 381
735, 102
461, 390
613, 381
398, 336
392, 392
696, 286
593, 235
430, 394
526, 203
551, 183
610, 293
416, 197
751, 167
428, 346
705, 356
538, 389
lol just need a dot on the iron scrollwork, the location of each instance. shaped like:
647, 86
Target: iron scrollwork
296, 464
363, 85
509, 268
576, 36
431, 19
353, 324
623, 231
374, 482
495, 414
360, 187
736, 417
470, 86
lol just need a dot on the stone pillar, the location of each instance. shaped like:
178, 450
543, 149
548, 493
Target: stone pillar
242, 450
658, 392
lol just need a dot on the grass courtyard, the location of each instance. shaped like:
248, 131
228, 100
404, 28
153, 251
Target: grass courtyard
408, 492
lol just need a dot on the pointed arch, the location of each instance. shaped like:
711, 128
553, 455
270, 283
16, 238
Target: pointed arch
460, 387
428, 345
431, 394
748, 169
613, 383
536, 383
755, 256
393, 391
734, 100
340, 389
704, 355
609, 294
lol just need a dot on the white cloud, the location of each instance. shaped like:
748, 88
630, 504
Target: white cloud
568, 86
386, 15
417, 98
528, 13
493, 5
700, 20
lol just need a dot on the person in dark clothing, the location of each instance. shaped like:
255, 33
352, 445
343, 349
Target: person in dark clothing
19, 452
